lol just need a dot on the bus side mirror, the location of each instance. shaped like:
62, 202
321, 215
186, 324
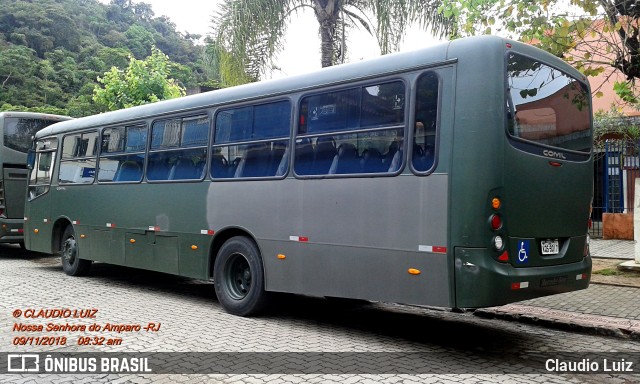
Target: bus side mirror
31, 159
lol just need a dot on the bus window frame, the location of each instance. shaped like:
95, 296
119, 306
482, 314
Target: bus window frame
96, 156
509, 113
52, 170
414, 97
181, 116
291, 99
126, 125
362, 84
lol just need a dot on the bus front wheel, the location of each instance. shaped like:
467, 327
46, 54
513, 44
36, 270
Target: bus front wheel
239, 277
71, 262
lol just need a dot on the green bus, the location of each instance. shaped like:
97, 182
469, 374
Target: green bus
16, 132
457, 176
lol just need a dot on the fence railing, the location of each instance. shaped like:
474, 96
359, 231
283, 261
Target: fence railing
616, 166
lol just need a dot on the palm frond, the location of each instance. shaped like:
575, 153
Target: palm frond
393, 17
253, 31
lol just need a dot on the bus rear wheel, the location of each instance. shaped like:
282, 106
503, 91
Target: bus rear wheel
71, 262
238, 277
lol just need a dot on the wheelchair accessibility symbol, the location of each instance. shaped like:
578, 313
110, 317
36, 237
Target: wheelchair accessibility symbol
523, 252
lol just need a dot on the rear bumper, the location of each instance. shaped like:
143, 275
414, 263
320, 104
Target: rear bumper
483, 282
11, 230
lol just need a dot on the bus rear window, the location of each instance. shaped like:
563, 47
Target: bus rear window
19, 131
546, 106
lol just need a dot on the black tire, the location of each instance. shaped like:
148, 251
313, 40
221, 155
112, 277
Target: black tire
70, 255
238, 277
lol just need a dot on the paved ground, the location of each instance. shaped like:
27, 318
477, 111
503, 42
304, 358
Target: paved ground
617, 249
609, 306
467, 347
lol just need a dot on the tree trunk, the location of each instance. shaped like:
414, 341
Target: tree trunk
327, 12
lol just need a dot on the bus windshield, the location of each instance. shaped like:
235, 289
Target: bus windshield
18, 131
546, 106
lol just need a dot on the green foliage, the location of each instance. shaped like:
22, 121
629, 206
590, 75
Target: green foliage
222, 68
144, 81
608, 272
139, 41
591, 35
624, 91
44, 109
53, 51
614, 125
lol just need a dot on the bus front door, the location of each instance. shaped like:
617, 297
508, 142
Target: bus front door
38, 228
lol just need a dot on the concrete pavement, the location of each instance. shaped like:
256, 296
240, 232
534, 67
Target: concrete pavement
607, 309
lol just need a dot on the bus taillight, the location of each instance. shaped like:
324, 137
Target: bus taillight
496, 221
496, 224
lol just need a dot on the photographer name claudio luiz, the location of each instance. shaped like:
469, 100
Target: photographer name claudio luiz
587, 365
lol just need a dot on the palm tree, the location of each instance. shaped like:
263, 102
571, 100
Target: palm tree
252, 31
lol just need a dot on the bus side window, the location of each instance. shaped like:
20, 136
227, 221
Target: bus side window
425, 129
40, 177
255, 137
353, 131
128, 170
189, 164
78, 160
122, 156
178, 148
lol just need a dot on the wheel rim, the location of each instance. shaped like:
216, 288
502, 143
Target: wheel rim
69, 250
237, 277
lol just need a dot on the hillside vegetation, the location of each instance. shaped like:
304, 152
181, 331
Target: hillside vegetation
52, 51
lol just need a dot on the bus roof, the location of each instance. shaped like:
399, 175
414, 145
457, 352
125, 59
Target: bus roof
34, 115
387, 64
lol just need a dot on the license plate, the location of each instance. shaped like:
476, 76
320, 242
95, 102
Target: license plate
550, 247
551, 281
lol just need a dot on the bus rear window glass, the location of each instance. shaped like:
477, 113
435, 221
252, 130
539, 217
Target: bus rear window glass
19, 131
547, 106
